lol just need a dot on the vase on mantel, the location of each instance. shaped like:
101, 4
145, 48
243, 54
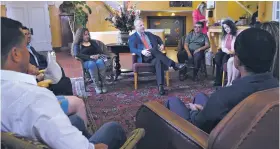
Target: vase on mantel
123, 38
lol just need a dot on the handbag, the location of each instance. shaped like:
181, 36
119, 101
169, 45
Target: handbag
53, 70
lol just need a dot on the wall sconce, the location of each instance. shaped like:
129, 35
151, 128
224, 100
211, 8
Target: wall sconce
172, 14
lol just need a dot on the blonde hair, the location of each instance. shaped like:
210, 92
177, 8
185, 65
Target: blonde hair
78, 38
136, 20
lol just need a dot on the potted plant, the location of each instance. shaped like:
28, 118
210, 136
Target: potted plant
123, 19
78, 17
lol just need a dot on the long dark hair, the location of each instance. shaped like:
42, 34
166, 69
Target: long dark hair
232, 26
78, 38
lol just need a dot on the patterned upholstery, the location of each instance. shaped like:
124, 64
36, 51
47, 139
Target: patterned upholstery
11, 140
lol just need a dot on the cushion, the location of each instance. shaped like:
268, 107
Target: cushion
143, 67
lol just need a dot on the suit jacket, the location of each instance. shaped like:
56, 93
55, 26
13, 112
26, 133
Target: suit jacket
136, 45
41, 59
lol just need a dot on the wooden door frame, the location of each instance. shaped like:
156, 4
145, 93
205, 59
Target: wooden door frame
184, 18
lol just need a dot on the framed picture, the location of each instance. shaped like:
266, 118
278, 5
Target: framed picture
210, 4
180, 3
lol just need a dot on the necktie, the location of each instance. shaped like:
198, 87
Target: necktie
146, 45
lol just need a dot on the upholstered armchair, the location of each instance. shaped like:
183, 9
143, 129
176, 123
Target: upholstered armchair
252, 124
13, 141
109, 70
145, 67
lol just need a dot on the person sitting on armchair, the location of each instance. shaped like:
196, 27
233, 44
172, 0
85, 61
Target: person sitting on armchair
145, 46
93, 58
64, 86
251, 44
195, 45
38, 114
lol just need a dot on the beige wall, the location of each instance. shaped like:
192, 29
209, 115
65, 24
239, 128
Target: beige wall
3, 11
162, 5
55, 26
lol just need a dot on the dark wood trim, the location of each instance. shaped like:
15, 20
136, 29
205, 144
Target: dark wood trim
57, 49
184, 18
168, 17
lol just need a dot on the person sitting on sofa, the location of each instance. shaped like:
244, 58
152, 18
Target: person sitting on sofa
38, 114
251, 44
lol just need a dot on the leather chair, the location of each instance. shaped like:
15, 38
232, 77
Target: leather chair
145, 67
252, 124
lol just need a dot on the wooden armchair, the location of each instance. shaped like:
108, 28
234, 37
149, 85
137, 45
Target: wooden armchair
145, 67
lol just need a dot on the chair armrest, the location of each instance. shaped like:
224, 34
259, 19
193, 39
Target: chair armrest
155, 118
134, 58
44, 83
163, 52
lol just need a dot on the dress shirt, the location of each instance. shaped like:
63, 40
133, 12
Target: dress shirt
33, 112
29, 49
147, 39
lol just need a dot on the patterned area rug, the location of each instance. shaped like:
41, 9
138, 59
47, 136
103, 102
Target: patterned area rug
121, 103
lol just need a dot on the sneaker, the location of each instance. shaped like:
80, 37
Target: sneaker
104, 89
98, 90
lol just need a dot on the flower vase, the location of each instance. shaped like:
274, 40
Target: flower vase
123, 38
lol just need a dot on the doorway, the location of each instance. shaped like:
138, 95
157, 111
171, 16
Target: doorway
174, 27
33, 15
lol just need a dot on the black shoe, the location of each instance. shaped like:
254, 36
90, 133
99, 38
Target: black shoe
161, 90
182, 77
178, 66
195, 79
217, 84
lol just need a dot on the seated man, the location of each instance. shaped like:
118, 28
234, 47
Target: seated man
195, 45
38, 114
145, 46
250, 45
64, 86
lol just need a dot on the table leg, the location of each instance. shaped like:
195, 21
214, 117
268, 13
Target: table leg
117, 67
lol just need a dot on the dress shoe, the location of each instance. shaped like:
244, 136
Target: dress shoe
217, 84
161, 90
178, 66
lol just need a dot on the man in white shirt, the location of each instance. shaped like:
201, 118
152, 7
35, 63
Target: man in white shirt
32, 111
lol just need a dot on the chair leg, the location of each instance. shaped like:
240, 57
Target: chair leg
167, 78
223, 78
135, 81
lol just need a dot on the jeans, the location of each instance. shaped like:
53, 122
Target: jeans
111, 134
97, 70
177, 106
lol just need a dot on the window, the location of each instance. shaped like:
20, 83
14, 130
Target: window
276, 11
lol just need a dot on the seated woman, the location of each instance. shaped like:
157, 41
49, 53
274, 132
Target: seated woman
225, 55
69, 104
92, 56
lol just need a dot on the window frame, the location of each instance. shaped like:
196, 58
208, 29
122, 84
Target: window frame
275, 11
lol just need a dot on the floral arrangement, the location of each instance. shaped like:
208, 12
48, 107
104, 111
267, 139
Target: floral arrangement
123, 18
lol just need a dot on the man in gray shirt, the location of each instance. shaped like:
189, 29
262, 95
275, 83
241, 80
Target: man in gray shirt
195, 44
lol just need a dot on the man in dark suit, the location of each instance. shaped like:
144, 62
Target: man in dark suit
35, 58
145, 46
64, 86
